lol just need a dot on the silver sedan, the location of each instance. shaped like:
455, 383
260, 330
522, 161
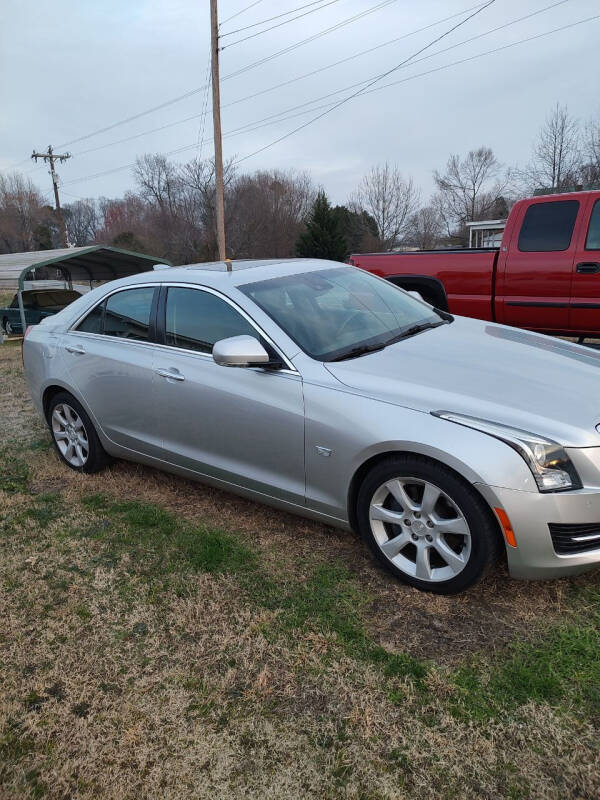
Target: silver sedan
326, 391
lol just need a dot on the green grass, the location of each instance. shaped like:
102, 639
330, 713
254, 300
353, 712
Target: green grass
561, 669
160, 544
331, 601
14, 473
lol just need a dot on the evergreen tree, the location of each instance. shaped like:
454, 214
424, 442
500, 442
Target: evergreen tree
322, 237
359, 229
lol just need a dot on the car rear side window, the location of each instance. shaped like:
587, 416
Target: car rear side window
195, 320
593, 238
127, 314
92, 323
548, 227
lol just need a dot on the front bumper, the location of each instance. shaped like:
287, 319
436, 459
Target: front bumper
531, 514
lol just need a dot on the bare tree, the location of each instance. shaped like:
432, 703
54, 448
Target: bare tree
469, 189
26, 221
266, 212
425, 228
590, 171
82, 220
556, 159
390, 199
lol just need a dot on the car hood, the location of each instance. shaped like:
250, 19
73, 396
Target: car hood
538, 383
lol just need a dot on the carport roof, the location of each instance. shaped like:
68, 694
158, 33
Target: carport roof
96, 263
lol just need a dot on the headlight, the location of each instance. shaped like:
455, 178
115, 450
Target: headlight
550, 465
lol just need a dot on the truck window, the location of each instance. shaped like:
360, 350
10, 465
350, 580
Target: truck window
548, 226
593, 238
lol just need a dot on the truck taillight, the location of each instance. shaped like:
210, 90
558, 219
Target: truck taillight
27, 329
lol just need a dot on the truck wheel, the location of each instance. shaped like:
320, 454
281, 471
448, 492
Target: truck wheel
74, 436
8, 328
426, 525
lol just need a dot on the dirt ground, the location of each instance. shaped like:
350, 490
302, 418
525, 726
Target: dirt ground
127, 673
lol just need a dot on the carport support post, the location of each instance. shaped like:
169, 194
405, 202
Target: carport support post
21, 310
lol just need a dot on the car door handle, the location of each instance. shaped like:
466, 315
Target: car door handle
75, 348
588, 267
169, 373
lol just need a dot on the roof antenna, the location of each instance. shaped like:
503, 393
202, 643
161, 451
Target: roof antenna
228, 264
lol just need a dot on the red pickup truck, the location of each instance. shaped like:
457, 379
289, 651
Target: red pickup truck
545, 276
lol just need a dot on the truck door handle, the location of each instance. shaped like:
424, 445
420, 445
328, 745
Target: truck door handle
169, 373
588, 267
75, 348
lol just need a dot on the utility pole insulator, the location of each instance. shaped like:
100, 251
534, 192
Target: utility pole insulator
216, 106
50, 156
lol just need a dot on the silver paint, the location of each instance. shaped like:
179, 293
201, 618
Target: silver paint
257, 432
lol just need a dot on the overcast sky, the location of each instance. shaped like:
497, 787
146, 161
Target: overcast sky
69, 68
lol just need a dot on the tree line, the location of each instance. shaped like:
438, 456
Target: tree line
277, 214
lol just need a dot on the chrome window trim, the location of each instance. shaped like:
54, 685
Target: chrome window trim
73, 327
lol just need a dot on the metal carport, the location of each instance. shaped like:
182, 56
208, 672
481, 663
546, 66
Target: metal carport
98, 263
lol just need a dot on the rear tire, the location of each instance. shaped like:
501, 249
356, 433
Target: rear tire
426, 525
74, 435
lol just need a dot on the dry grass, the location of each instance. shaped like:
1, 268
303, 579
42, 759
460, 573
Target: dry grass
121, 682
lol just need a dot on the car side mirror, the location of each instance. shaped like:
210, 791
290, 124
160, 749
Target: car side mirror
240, 351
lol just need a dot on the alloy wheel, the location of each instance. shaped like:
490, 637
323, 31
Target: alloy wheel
420, 529
70, 435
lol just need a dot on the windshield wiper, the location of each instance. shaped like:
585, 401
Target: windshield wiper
423, 326
360, 350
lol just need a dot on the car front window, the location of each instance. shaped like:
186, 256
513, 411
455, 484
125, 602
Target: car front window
334, 311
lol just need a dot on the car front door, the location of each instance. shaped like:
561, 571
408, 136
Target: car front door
109, 357
243, 426
585, 300
537, 278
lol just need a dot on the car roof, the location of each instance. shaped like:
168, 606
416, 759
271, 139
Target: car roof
234, 273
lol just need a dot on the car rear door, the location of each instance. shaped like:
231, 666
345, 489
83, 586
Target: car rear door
537, 278
585, 294
243, 426
109, 356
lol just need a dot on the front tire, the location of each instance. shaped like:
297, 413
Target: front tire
74, 436
8, 328
426, 525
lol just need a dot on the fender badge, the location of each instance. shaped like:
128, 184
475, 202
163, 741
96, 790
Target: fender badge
323, 451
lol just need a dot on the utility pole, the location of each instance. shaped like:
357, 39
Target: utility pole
216, 106
50, 156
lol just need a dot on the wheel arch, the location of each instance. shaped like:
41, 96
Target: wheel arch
49, 393
466, 476
431, 289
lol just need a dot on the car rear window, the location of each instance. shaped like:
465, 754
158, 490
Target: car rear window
94, 321
548, 227
127, 314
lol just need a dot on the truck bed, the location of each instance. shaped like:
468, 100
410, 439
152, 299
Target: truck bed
453, 269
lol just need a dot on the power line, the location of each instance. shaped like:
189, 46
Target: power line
237, 14
312, 38
240, 71
250, 127
306, 75
204, 106
375, 80
269, 19
278, 25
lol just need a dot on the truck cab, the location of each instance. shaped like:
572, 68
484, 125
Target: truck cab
545, 275
548, 271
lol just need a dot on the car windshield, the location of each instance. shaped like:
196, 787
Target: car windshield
342, 312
